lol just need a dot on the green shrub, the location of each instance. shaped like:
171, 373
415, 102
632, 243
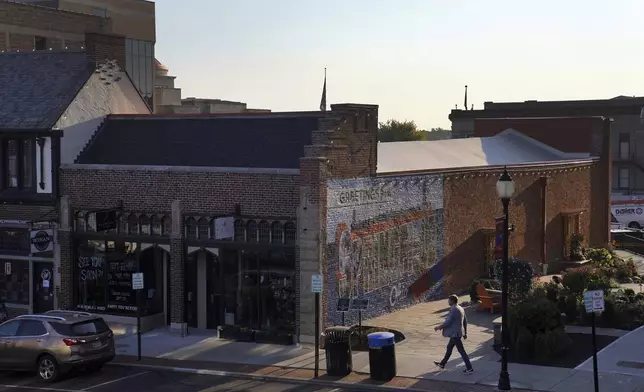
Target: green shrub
553, 291
600, 257
539, 290
571, 307
524, 344
630, 293
537, 315
541, 349
576, 247
558, 342
625, 269
577, 280
520, 277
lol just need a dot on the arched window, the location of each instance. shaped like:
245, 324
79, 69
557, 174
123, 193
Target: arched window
144, 223
203, 229
122, 224
155, 222
81, 222
191, 228
166, 225
251, 231
213, 225
132, 224
90, 219
290, 235
239, 230
277, 232
264, 232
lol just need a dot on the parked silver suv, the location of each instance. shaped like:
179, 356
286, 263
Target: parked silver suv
55, 342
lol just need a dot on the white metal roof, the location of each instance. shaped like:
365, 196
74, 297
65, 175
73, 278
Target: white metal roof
506, 148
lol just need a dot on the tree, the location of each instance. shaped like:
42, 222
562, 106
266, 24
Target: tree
438, 134
399, 131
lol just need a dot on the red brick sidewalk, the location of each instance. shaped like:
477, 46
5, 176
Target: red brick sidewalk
307, 375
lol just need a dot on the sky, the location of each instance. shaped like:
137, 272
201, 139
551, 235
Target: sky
410, 57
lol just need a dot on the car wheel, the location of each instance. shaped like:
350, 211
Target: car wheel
94, 368
634, 225
47, 368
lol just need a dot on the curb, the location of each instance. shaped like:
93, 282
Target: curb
258, 377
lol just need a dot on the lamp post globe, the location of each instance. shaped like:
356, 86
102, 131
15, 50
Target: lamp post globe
505, 188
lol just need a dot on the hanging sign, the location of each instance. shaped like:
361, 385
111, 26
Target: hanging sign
42, 240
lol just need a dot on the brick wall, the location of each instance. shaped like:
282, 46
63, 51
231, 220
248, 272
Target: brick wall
206, 192
568, 134
471, 204
384, 239
101, 47
52, 20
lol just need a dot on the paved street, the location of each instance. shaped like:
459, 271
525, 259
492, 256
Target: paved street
123, 379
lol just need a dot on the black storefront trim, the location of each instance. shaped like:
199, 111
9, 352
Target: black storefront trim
144, 239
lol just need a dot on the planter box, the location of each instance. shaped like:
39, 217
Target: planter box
273, 338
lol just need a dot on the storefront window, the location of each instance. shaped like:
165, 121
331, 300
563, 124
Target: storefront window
90, 276
103, 276
14, 285
14, 240
259, 290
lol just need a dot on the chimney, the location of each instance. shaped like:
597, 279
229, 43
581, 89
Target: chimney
100, 47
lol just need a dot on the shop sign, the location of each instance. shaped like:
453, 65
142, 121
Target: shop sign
355, 197
42, 240
106, 220
224, 228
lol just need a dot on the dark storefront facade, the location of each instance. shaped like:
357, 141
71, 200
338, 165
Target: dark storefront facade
243, 282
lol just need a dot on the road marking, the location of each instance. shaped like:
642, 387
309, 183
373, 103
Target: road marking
38, 388
113, 381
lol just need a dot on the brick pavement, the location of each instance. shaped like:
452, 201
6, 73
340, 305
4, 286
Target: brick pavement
417, 324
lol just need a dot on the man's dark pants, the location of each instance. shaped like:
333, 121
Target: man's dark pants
459, 346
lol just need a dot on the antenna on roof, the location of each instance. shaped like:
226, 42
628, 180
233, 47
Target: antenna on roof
465, 104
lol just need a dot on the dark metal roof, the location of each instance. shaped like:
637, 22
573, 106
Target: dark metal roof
37, 87
270, 141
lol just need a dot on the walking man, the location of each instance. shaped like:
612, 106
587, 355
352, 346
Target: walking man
455, 328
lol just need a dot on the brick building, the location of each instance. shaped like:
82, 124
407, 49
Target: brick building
229, 216
44, 96
627, 141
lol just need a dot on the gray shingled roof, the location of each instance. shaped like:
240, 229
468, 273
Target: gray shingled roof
271, 141
37, 87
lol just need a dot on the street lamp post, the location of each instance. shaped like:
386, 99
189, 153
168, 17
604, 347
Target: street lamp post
505, 190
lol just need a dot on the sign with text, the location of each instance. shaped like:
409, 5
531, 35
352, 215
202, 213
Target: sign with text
137, 281
359, 304
42, 240
594, 301
344, 304
224, 228
316, 283
356, 197
106, 220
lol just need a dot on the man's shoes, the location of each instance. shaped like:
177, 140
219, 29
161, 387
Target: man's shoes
440, 365
468, 371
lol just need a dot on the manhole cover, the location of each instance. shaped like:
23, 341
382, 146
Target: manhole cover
632, 365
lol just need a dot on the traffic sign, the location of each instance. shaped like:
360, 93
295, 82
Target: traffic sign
594, 301
137, 281
316, 283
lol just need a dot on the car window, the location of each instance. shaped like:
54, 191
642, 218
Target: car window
32, 328
84, 328
9, 328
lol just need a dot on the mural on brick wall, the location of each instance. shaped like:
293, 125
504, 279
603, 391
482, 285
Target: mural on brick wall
384, 238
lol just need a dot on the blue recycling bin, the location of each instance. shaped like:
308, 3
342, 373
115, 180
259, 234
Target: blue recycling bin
382, 356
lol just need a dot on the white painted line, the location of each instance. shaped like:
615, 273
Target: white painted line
113, 381
38, 388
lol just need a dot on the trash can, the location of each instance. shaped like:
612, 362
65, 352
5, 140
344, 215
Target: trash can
382, 356
337, 347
